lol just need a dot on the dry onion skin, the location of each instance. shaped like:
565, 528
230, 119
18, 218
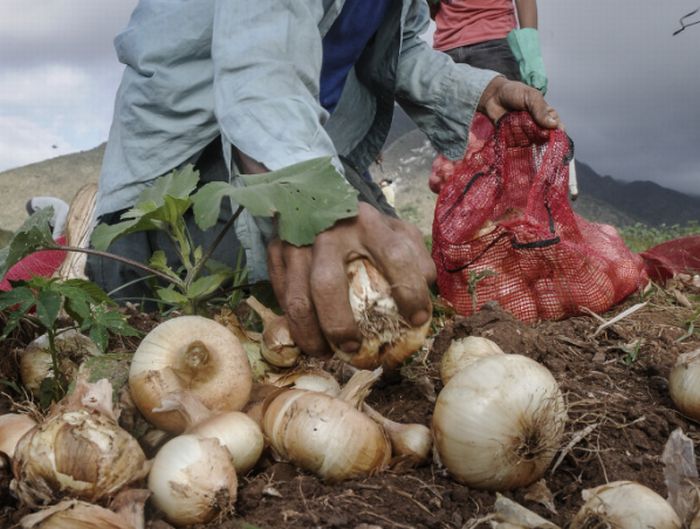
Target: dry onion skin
498, 423
684, 384
625, 505
463, 352
189, 353
310, 379
326, 435
79, 451
12, 427
193, 480
387, 339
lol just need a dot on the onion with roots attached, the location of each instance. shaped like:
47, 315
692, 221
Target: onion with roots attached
684, 384
387, 339
463, 352
498, 422
193, 480
12, 427
189, 353
79, 451
624, 505
326, 435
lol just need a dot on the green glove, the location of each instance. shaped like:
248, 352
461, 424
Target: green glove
525, 45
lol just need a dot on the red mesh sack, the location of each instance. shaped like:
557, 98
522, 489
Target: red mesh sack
504, 229
669, 258
42, 263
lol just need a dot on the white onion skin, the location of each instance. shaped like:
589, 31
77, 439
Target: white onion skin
498, 423
684, 384
12, 427
325, 435
625, 505
74, 514
193, 480
372, 304
463, 352
189, 353
238, 433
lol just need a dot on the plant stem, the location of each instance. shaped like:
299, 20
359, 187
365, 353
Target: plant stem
124, 260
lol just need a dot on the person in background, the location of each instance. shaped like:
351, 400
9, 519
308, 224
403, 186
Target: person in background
498, 35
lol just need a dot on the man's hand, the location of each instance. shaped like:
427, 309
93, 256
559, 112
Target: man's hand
502, 96
311, 284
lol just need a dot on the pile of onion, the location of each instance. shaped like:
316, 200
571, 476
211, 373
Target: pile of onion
189, 353
387, 339
498, 422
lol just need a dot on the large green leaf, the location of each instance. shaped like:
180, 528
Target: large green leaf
307, 198
33, 235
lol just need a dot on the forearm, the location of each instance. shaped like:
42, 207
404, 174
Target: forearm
527, 13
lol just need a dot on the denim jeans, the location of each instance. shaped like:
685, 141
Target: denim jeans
492, 55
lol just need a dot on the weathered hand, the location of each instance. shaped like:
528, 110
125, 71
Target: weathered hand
311, 284
502, 96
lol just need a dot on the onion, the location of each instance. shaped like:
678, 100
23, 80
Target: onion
234, 430
463, 352
12, 427
78, 451
193, 480
35, 363
277, 345
624, 505
189, 353
326, 435
410, 442
309, 379
498, 422
387, 339
684, 384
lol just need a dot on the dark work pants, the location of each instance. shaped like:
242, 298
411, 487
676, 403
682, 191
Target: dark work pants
491, 55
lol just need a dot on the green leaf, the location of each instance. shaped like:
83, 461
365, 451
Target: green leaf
19, 301
307, 197
48, 306
33, 235
206, 285
170, 296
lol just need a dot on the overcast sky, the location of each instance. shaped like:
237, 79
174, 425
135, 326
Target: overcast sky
627, 90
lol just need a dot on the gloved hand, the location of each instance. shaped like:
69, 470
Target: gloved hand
525, 45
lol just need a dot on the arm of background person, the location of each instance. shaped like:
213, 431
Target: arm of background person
527, 13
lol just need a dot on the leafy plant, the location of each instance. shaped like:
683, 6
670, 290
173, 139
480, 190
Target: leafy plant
640, 237
41, 300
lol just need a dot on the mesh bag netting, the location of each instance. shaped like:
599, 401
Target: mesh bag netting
504, 229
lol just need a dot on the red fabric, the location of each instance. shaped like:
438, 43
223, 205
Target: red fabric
505, 212
463, 22
667, 259
43, 263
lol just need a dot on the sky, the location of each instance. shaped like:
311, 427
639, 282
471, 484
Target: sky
627, 90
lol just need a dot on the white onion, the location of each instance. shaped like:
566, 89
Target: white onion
684, 384
498, 422
625, 505
276, 346
410, 442
464, 351
189, 353
193, 480
387, 339
12, 427
306, 378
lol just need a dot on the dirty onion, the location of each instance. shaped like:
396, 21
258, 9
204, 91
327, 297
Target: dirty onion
387, 339
498, 422
463, 352
684, 384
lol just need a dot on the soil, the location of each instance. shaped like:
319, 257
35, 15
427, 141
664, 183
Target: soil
620, 416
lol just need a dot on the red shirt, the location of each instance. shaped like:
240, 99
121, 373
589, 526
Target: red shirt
463, 22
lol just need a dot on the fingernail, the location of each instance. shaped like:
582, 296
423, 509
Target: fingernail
350, 346
419, 318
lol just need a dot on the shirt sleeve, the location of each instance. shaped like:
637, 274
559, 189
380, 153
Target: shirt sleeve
439, 95
267, 58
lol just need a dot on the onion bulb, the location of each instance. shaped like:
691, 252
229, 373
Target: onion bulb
189, 353
12, 427
684, 384
277, 346
326, 435
410, 442
308, 379
498, 422
387, 339
35, 363
464, 351
234, 430
78, 451
193, 480
625, 505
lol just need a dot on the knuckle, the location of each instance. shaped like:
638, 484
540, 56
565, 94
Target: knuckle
299, 308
